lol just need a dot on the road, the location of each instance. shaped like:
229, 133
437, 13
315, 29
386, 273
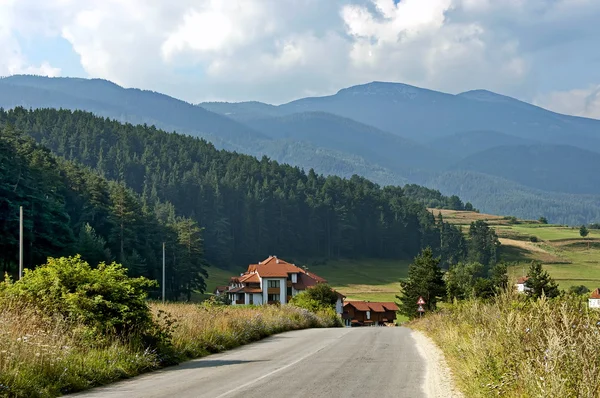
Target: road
344, 362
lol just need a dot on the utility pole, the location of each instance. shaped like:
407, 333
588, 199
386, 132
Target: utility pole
163, 275
20, 242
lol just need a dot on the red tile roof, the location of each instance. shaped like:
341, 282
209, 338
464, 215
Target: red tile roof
391, 306
359, 305
250, 278
522, 280
595, 294
221, 288
373, 306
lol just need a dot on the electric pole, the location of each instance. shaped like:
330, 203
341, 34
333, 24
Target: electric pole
163, 275
20, 242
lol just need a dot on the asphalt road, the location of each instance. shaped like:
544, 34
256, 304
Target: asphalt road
344, 362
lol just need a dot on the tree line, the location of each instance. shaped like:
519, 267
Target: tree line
247, 208
71, 209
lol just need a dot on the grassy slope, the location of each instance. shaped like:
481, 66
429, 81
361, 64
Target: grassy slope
570, 259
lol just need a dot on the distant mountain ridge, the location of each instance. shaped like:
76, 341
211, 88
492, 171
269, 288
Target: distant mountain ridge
391, 133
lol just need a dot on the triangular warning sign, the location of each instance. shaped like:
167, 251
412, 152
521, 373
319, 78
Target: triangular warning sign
420, 301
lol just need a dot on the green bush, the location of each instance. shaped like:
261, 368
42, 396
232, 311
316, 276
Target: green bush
104, 299
318, 297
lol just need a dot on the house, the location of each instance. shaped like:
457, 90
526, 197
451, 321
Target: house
219, 290
366, 313
521, 287
273, 281
594, 300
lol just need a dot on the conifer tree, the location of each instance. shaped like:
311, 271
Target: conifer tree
539, 282
425, 279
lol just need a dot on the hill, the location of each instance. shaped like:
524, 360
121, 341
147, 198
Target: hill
247, 206
345, 135
559, 168
498, 195
468, 143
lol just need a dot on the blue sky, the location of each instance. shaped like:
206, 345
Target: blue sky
540, 51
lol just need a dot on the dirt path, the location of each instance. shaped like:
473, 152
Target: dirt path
438, 377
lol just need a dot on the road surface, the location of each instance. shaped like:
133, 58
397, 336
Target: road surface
344, 362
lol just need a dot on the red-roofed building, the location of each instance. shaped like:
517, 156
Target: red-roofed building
366, 313
594, 300
273, 281
521, 287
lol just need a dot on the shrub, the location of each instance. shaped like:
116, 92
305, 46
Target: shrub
316, 297
104, 299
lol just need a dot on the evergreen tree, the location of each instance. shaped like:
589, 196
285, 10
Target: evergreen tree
539, 282
483, 244
425, 279
92, 247
583, 231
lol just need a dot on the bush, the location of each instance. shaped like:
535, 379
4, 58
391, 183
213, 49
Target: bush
315, 298
104, 299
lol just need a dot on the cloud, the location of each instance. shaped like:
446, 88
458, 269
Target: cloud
276, 51
579, 102
12, 61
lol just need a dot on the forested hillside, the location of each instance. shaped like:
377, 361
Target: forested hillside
249, 208
69, 209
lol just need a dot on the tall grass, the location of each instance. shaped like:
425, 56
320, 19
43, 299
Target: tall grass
514, 347
44, 355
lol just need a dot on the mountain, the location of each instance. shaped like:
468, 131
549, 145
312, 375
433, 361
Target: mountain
467, 143
424, 115
558, 168
134, 106
243, 111
104, 98
342, 134
391, 133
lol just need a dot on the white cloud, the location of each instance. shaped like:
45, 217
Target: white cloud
578, 102
12, 60
277, 50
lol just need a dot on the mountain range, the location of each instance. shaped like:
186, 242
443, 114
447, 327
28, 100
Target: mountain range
504, 155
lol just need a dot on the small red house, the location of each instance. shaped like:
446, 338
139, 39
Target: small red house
366, 313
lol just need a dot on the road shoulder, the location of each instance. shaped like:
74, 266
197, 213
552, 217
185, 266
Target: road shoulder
438, 382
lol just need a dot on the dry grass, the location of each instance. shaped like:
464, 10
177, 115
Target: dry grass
466, 217
519, 348
46, 356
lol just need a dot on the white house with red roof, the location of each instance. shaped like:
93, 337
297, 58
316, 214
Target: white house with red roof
273, 281
521, 287
594, 300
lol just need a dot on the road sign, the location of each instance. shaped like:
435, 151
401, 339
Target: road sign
421, 309
420, 301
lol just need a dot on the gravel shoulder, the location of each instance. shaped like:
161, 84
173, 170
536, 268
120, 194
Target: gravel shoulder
438, 382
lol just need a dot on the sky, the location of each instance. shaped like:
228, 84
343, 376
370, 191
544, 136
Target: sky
542, 51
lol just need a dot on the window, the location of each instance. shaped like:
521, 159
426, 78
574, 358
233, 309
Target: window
273, 283
289, 291
273, 297
251, 299
368, 314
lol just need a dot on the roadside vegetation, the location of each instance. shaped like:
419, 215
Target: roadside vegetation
66, 327
518, 346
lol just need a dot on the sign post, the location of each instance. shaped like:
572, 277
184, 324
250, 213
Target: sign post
420, 303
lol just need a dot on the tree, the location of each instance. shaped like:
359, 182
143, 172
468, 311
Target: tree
92, 247
579, 290
539, 282
543, 220
425, 279
460, 280
483, 244
583, 231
